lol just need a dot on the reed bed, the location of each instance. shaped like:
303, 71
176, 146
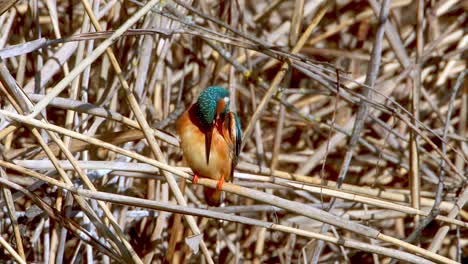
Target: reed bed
354, 117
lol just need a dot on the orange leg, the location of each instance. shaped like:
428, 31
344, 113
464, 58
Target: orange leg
219, 186
195, 178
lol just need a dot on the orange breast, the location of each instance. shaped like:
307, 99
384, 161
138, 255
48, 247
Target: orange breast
193, 146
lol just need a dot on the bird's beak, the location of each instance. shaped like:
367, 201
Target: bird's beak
208, 136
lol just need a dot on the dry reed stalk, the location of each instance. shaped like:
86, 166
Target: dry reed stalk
86, 139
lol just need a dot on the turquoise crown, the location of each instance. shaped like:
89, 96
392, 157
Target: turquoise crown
207, 103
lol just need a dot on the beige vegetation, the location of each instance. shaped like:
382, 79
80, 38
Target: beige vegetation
354, 117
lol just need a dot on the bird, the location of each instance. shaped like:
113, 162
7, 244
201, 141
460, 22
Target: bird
210, 137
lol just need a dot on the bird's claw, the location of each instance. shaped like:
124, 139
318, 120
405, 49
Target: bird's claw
195, 179
219, 186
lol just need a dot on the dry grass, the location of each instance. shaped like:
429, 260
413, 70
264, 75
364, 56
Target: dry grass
354, 117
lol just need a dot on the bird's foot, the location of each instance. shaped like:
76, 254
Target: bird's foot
219, 186
195, 178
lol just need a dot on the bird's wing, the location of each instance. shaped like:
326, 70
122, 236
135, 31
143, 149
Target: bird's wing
233, 137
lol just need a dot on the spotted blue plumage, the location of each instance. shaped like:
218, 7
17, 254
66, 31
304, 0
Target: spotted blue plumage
207, 103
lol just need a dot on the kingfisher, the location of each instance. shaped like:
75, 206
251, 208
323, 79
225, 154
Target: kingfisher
211, 137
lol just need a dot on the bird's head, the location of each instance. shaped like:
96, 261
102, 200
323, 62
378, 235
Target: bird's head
212, 104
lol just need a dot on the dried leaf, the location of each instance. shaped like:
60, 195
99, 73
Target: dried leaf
194, 242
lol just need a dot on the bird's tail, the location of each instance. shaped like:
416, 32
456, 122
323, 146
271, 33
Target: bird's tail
212, 196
